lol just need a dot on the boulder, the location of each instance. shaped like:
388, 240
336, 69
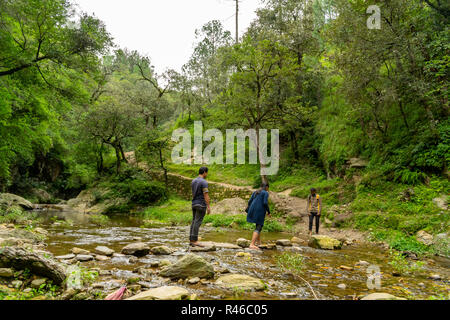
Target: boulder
296, 240
204, 249
441, 202
6, 273
189, 266
36, 284
424, 237
11, 200
84, 257
244, 254
161, 250
104, 251
138, 249
100, 257
284, 243
324, 242
163, 293
240, 282
16, 284
77, 251
83, 201
66, 257
381, 296
194, 280
243, 243
220, 245
37, 263
41, 195
268, 246
294, 249
233, 206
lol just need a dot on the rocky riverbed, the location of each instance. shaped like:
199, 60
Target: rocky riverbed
156, 263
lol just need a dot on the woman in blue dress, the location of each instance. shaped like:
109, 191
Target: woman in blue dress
258, 205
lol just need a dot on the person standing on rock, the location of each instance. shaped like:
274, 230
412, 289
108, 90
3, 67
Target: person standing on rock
314, 208
200, 204
258, 205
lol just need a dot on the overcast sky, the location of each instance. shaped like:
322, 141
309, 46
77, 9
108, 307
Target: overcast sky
164, 29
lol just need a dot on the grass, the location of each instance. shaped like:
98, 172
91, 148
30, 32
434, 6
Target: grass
383, 211
177, 211
291, 262
401, 264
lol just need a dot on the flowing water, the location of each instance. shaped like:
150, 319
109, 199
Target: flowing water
321, 269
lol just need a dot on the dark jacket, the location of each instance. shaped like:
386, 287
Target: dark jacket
258, 206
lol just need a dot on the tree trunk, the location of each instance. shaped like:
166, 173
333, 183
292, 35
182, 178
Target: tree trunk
294, 144
21, 259
124, 159
100, 160
118, 159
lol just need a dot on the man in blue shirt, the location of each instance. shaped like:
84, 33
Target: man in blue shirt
200, 204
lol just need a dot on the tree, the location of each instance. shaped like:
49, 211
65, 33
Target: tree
113, 120
49, 61
259, 66
204, 68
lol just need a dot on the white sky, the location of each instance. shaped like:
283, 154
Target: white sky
164, 29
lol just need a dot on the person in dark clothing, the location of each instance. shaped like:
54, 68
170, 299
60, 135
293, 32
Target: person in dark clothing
314, 208
200, 204
258, 205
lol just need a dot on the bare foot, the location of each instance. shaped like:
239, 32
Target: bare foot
254, 248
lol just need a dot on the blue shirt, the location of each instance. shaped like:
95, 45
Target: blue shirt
199, 186
258, 206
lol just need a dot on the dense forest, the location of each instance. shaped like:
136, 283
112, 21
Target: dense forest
361, 111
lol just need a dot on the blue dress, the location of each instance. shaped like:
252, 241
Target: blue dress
258, 206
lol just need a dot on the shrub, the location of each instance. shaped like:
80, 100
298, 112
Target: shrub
145, 192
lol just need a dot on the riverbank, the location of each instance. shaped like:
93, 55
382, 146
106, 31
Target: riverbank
136, 256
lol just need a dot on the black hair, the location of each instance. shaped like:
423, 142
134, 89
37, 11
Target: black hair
313, 190
202, 170
264, 185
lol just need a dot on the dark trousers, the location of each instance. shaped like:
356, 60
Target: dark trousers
313, 215
198, 213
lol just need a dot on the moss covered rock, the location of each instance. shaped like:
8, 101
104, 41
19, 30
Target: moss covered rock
324, 242
189, 266
240, 282
8, 200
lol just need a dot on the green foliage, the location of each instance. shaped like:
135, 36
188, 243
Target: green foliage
291, 262
402, 265
406, 176
132, 184
16, 215
99, 219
